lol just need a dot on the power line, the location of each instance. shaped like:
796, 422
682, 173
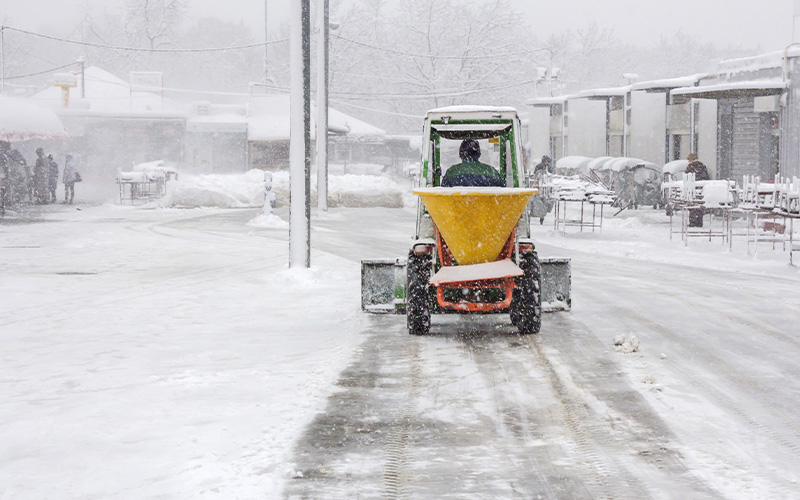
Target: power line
433, 56
142, 49
41, 72
393, 113
374, 96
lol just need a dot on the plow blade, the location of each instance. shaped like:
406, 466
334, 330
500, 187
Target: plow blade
383, 285
556, 285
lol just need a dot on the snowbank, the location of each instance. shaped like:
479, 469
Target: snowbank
349, 190
223, 191
247, 191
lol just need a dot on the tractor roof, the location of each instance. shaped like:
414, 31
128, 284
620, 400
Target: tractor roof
473, 113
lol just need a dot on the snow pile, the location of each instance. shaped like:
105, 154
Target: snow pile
223, 191
268, 221
356, 168
350, 190
717, 194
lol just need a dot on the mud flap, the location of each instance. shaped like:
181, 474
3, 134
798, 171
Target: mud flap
383, 286
556, 285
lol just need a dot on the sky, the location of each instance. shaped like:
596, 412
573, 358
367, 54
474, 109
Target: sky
766, 24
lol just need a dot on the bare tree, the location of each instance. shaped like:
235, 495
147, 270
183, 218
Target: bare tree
154, 22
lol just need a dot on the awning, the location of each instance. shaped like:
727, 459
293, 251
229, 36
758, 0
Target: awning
756, 88
668, 84
546, 102
602, 94
22, 120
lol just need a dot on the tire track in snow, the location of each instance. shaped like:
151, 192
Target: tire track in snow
396, 475
613, 445
176, 280
517, 386
786, 439
678, 289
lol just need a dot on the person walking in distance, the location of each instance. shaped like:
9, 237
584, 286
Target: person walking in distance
52, 179
40, 173
71, 176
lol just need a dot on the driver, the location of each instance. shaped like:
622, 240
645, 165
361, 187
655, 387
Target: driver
471, 172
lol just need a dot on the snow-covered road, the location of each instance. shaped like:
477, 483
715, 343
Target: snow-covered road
170, 354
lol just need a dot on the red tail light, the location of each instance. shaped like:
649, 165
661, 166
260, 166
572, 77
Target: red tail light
423, 249
526, 248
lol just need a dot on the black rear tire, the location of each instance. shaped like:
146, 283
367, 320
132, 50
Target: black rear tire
526, 305
418, 307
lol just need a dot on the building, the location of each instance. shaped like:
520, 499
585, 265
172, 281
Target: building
757, 114
111, 126
741, 119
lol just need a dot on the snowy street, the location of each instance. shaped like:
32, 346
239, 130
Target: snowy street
162, 353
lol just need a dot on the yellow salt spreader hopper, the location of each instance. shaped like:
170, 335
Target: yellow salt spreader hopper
472, 252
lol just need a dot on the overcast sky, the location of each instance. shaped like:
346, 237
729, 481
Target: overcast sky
745, 23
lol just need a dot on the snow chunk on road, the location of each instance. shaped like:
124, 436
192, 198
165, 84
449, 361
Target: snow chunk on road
627, 347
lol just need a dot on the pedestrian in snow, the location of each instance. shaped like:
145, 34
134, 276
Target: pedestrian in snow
471, 172
5, 173
700, 172
52, 179
41, 172
697, 168
71, 176
544, 167
22, 178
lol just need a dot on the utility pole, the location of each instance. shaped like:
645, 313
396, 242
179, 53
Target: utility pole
82, 62
300, 136
322, 106
2, 60
266, 47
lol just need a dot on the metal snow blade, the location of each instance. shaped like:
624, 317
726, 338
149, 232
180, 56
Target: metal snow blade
383, 285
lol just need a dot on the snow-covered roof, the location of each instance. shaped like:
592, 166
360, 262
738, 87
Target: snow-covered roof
769, 60
669, 83
473, 109
268, 118
602, 93
107, 94
732, 89
547, 101
23, 119
473, 112
353, 126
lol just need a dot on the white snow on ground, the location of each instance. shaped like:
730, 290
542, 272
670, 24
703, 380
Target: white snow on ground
182, 364
165, 353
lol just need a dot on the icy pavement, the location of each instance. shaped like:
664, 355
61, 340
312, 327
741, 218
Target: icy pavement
170, 354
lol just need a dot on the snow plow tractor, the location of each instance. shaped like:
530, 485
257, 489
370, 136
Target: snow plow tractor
472, 252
